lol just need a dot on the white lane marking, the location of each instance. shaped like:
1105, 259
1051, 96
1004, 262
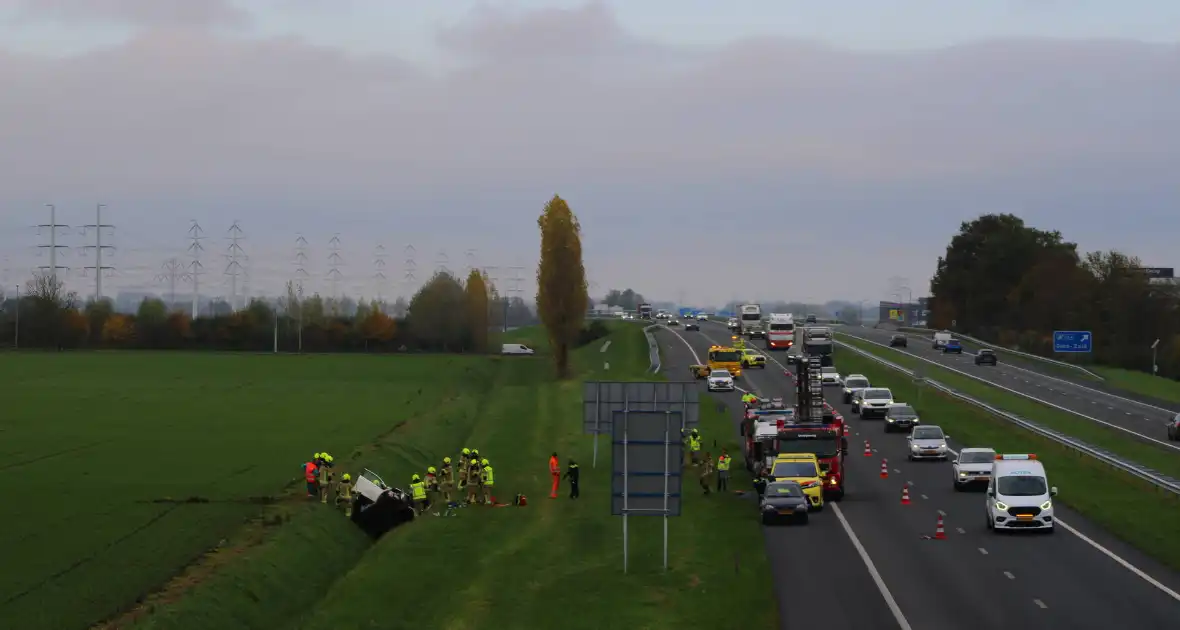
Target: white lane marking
1112, 555
876, 575
1009, 575
605, 345
983, 551
897, 470
1040, 603
960, 530
942, 514
925, 497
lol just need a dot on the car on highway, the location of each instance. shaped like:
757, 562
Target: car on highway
1174, 428
1019, 495
674, 322
928, 442
986, 357
720, 381
829, 376
901, 417
898, 341
702, 317
692, 326
733, 324
954, 346
811, 319
940, 339
872, 402
751, 358
803, 469
852, 384
784, 501
755, 332
972, 467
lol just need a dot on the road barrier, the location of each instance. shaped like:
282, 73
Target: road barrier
1149, 475
985, 344
653, 348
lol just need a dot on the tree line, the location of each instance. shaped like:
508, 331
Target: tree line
1008, 283
446, 315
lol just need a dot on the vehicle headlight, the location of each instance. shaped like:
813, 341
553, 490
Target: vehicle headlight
889, 419
962, 475
915, 447
1001, 506
766, 507
942, 447
1047, 505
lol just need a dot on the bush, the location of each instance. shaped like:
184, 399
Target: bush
592, 331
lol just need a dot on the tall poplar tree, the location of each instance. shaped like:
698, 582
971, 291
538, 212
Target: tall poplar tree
478, 310
562, 299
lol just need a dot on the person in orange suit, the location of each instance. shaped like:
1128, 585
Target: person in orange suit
555, 472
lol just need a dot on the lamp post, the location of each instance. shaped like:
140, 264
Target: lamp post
16, 333
1155, 368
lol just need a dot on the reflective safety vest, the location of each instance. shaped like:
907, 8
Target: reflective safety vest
694, 443
419, 490
489, 479
723, 462
309, 472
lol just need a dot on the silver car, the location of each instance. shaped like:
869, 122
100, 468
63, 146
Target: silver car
973, 467
928, 442
852, 384
872, 402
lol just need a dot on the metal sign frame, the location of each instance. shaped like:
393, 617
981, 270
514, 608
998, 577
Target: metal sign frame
647, 451
601, 399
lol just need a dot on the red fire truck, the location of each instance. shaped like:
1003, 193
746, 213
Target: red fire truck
827, 440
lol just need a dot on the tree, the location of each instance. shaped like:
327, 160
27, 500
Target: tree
118, 330
628, 299
97, 313
378, 327
151, 321
561, 280
43, 312
400, 307
438, 314
478, 315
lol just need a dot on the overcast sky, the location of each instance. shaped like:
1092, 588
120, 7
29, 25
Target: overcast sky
746, 149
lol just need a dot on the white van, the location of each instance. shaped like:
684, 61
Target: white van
1019, 495
517, 348
941, 339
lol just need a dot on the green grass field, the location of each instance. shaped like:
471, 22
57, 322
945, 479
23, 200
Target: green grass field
1145, 453
306, 565
1137, 512
1024, 360
1141, 383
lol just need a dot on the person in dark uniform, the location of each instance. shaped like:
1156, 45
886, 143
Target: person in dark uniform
572, 473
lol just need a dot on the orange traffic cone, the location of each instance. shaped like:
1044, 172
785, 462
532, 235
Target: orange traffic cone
905, 494
884, 468
939, 530
868, 449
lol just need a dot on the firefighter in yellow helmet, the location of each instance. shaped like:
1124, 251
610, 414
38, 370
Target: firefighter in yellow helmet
474, 474
464, 460
418, 493
344, 493
487, 479
432, 483
325, 476
446, 479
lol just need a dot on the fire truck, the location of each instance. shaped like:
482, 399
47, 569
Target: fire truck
817, 428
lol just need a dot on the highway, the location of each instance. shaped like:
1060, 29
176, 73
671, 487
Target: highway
1135, 417
868, 562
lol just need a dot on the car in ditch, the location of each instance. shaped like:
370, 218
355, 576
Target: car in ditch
377, 507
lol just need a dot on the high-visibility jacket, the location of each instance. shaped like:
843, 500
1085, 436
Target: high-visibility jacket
554, 467
723, 463
694, 443
419, 490
323, 474
488, 478
309, 472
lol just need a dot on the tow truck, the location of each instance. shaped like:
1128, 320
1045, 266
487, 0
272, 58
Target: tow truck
725, 358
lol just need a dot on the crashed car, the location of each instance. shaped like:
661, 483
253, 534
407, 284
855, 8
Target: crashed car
699, 371
377, 507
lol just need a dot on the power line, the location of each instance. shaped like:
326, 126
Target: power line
334, 262
469, 256
411, 268
196, 269
442, 262
379, 270
300, 262
53, 226
172, 270
98, 247
234, 268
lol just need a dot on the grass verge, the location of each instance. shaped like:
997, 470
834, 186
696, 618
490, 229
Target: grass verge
1136, 512
1095, 434
1027, 361
504, 567
1141, 383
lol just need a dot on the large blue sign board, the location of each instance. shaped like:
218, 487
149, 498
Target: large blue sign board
1072, 341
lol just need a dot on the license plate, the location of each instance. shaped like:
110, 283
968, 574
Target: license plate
1024, 517
930, 452
983, 478
786, 512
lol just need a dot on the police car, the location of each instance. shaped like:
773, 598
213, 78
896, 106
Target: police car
1019, 495
720, 381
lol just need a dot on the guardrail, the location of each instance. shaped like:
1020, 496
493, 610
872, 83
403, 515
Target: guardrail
653, 348
986, 344
1113, 460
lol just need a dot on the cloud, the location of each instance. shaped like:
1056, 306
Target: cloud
145, 13
667, 155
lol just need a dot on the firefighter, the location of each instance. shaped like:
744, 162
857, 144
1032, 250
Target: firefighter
432, 483
447, 480
311, 476
694, 447
749, 399
487, 479
473, 474
418, 490
572, 473
555, 473
344, 493
723, 471
464, 461
762, 477
706, 472
325, 477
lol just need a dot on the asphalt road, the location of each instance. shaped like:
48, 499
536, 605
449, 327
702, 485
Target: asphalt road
867, 562
1134, 416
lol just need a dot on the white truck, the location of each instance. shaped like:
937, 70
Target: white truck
780, 331
749, 315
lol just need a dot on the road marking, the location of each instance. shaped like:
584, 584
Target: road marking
960, 530
1009, 575
982, 550
876, 575
605, 345
925, 497
942, 514
897, 470
1040, 603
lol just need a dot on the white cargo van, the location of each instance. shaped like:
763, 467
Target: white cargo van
517, 348
1019, 495
941, 339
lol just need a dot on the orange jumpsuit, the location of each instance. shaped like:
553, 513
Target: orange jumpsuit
555, 472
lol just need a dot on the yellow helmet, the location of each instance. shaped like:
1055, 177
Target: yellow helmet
346, 477
415, 478
466, 451
328, 458
446, 460
485, 462
317, 456
431, 470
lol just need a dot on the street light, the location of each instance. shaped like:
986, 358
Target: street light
16, 334
1155, 368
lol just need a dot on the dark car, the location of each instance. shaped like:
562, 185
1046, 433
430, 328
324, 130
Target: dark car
755, 332
1174, 428
985, 357
692, 326
953, 346
377, 507
900, 418
898, 341
811, 319
784, 501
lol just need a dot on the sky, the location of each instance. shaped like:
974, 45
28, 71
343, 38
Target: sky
716, 151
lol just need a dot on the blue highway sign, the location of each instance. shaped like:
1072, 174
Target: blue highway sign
1072, 341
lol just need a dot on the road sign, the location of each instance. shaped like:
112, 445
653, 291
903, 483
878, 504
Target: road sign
1160, 272
647, 457
1072, 341
601, 399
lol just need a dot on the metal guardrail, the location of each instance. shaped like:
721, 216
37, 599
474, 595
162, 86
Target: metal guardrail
653, 348
1111, 459
985, 344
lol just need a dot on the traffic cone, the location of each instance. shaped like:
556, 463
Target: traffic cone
868, 449
939, 530
884, 468
905, 494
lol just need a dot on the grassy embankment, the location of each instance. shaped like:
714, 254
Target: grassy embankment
1137, 512
501, 567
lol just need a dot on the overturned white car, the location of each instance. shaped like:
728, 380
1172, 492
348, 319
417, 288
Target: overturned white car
378, 508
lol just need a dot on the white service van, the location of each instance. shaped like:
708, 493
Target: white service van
517, 348
941, 339
1019, 495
